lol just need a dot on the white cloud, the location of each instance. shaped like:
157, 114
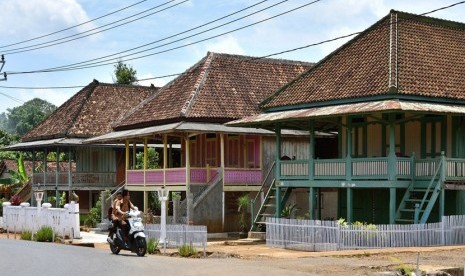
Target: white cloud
227, 44
32, 18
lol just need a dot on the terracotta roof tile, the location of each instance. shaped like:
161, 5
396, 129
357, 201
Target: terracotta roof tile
415, 55
90, 112
219, 88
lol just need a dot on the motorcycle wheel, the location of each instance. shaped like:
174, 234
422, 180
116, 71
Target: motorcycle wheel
141, 247
114, 249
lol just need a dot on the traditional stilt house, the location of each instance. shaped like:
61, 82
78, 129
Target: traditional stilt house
217, 163
92, 168
395, 94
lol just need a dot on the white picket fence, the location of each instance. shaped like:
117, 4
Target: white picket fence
316, 235
179, 234
64, 221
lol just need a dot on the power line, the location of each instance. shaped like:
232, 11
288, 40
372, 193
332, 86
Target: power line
170, 49
162, 39
12, 98
80, 35
289, 50
69, 28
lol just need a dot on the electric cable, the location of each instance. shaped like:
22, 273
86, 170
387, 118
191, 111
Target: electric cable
80, 36
74, 26
170, 49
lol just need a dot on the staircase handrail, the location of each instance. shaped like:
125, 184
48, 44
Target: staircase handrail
436, 189
440, 164
119, 187
264, 181
204, 192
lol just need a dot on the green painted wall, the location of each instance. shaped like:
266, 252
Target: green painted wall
370, 205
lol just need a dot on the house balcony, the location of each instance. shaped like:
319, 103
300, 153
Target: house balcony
79, 180
369, 172
198, 176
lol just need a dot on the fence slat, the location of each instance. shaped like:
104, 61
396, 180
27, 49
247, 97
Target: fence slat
316, 235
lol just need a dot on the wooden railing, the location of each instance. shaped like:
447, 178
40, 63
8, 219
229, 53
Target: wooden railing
177, 176
376, 168
77, 179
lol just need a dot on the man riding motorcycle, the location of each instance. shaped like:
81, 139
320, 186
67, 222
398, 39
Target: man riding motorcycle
122, 207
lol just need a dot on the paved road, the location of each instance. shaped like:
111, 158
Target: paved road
33, 258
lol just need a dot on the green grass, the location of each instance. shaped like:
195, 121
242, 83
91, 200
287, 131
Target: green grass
187, 250
152, 246
26, 235
45, 234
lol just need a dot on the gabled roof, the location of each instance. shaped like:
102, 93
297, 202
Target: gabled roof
90, 112
402, 55
219, 88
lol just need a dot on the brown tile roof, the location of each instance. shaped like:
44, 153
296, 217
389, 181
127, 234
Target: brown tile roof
412, 56
90, 112
219, 88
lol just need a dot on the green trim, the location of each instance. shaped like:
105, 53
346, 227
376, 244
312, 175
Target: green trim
383, 96
392, 205
350, 205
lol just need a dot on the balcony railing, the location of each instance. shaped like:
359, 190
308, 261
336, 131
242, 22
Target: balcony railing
201, 176
376, 168
78, 179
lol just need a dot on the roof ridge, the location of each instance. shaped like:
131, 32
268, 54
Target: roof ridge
198, 85
264, 59
429, 19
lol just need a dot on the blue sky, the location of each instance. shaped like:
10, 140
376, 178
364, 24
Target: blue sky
29, 19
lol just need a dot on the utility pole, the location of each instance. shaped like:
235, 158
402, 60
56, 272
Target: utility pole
2, 62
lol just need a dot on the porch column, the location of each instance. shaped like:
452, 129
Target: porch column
278, 171
70, 181
127, 161
311, 157
392, 205
392, 171
32, 180
134, 161
188, 179
57, 171
442, 194
350, 198
312, 201
222, 158
145, 159
349, 150
165, 157
45, 175
146, 201
349, 170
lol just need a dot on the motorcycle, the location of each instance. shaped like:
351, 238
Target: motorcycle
136, 241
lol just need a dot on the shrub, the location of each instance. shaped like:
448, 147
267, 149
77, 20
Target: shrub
45, 234
187, 250
95, 216
152, 246
26, 235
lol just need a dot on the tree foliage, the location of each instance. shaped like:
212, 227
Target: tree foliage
125, 74
23, 118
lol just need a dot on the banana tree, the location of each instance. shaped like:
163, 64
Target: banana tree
17, 178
